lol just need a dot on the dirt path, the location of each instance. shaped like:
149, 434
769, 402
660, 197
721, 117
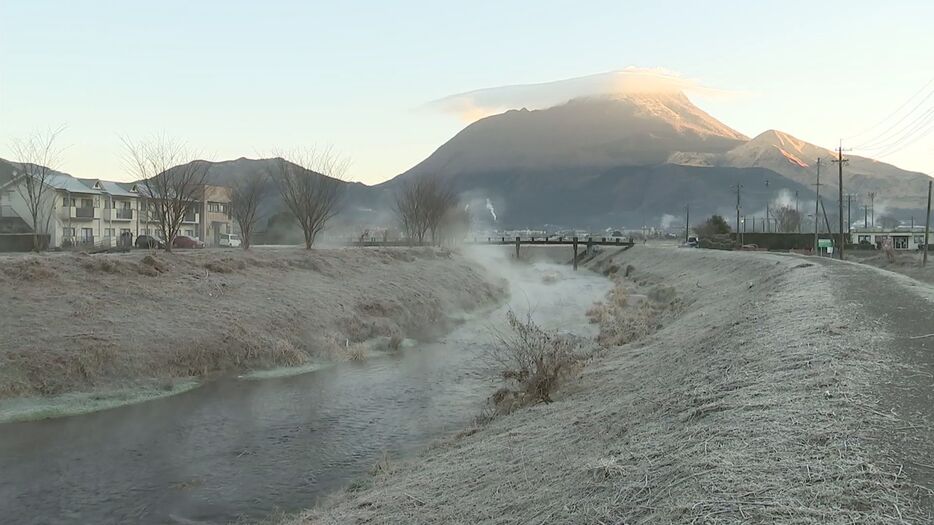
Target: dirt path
765, 400
906, 309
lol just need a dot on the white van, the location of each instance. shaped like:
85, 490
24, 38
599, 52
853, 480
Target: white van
230, 240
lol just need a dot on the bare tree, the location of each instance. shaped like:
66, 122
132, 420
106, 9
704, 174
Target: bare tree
38, 157
787, 218
411, 206
171, 181
422, 205
310, 183
245, 197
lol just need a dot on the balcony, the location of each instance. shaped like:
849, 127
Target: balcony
71, 212
120, 214
190, 218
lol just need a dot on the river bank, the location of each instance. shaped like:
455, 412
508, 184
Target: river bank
761, 401
239, 449
86, 332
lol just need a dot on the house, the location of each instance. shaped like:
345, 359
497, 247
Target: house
903, 238
95, 212
215, 213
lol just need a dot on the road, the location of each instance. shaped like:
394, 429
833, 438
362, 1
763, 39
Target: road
905, 308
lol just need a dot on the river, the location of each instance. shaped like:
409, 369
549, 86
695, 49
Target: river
237, 448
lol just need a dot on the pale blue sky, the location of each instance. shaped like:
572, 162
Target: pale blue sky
237, 78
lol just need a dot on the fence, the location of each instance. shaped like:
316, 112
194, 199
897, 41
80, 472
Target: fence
22, 242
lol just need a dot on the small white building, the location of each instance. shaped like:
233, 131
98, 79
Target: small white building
903, 238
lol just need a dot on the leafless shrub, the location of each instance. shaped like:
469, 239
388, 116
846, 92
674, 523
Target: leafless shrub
384, 467
245, 196
395, 342
356, 352
171, 181
310, 184
38, 157
532, 361
625, 317
155, 264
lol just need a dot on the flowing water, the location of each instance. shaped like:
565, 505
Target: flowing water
246, 448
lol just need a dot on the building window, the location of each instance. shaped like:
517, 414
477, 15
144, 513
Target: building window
124, 230
214, 207
67, 202
900, 242
190, 233
68, 233
87, 234
864, 239
87, 203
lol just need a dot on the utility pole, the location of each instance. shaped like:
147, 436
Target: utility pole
797, 215
687, 221
738, 187
827, 222
865, 215
927, 227
849, 220
840, 161
872, 208
767, 220
817, 211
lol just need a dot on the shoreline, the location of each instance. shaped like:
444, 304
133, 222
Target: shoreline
291, 312
25, 409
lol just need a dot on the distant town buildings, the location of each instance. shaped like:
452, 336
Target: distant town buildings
98, 212
903, 237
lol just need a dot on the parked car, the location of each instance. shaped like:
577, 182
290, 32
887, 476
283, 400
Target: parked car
692, 242
231, 240
184, 241
148, 241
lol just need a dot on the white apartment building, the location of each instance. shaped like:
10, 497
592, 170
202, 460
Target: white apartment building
94, 212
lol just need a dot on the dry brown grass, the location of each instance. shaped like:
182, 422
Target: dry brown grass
356, 352
625, 317
532, 361
753, 405
79, 322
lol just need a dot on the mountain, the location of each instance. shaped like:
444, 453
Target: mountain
635, 158
627, 130
797, 160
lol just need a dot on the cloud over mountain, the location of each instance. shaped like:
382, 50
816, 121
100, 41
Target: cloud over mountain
476, 104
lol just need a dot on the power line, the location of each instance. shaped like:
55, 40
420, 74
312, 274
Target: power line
896, 149
896, 112
903, 134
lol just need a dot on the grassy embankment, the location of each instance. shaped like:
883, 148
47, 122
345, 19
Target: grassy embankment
747, 396
84, 332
